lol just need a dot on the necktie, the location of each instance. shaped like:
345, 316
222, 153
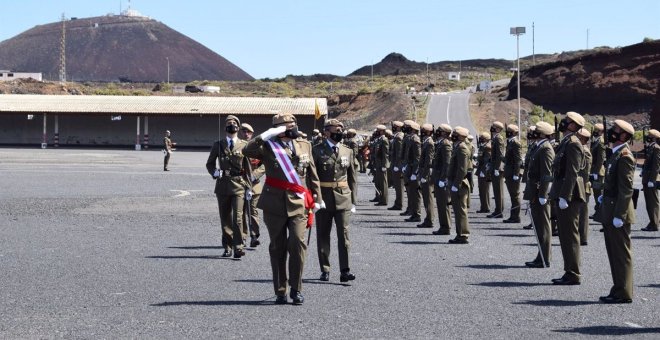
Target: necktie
334, 148
231, 145
293, 150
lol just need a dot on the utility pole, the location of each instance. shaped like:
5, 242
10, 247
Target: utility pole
533, 53
518, 31
63, 52
168, 69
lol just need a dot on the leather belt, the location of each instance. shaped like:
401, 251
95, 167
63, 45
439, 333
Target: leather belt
340, 184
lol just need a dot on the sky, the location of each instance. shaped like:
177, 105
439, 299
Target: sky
275, 38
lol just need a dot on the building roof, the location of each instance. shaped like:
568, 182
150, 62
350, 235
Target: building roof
157, 105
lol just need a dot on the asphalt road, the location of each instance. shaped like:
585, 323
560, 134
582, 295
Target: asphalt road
451, 108
102, 244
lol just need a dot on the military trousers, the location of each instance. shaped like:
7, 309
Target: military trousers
251, 218
287, 238
459, 204
541, 220
569, 238
584, 222
397, 183
597, 193
414, 198
230, 208
619, 252
324, 218
513, 187
652, 205
498, 187
442, 200
166, 160
380, 180
484, 194
429, 203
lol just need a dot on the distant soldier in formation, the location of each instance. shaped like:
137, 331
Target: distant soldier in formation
459, 185
496, 166
443, 155
251, 213
317, 137
363, 155
483, 175
426, 182
650, 177
352, 143
512, 165
381, 164
584, 135
473, 158
531, 144
390, 137
411, 155
597, 170
396, 155
169, 145
568, 191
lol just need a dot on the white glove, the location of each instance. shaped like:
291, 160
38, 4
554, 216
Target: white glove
543, 201
216, 174
441, 184
316, 208
322, 205
515, 178
594, 176
423, 180
617, 222
384, 169
562, 204
248, 194
650, 184
600, 199
353, 208
272, 132
413, 177
454, 188
404, 168
497, 173
395, 169
482, 175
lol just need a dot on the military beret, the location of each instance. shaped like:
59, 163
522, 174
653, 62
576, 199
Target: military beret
381, 127
283, 118
414, 126
304, 135
444, 128
397, 123
598, 127
388, 133
408, 122
498, 124
461, 131
512, 128
653, 133
485, 135
584, 133
352, 131
625, 126
315, 131
246, 126
470, 137
234, 118
576, 117
333, 122
427, 127
544, 128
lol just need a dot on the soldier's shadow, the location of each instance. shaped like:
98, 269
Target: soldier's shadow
319, 282
491, 266
197, 247
638, 237
200, 257
511, 235
556, 303
417, 242
510, 284
609, 330
267, 302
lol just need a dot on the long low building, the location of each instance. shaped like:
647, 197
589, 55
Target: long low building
118, 121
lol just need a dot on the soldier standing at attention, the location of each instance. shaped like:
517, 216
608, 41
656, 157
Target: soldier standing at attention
618, 212
168, 149
426, 183
231, 171
412, 155
597, 165
396, 153
568, 191
405, 146
352, 143
539, 176
649, 177
287, 200
531, 144
512, 165
317, 138
459, 185
496, 162
584, 135
473, 157
336, 170
381, 164
443, 151
251, 214
483, 160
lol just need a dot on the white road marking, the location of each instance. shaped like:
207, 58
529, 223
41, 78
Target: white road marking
633, 325
184, 193
448, 101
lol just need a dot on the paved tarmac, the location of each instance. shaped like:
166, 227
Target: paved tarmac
103, 244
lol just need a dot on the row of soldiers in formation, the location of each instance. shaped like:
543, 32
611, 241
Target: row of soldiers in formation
560, 176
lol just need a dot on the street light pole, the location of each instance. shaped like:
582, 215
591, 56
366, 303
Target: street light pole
518, 31
168, 69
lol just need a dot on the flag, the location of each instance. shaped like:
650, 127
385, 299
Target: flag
317, 111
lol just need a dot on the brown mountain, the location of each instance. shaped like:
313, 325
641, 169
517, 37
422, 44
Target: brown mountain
397, 64
115, 47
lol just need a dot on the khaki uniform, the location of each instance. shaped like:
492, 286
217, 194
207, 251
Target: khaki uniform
650, 174
496, 163
597, 168
251, 216
617, 202
483, 175
411, 156
426, 182
512, 165
539, 177
471, 166
230, 187
569, 185
584, 211
381, 160
167, 142
443, 154
284, 211
396, 155
457, 176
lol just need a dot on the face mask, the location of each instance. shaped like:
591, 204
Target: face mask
563, 125
337, 136
612, 136
493, 130
292, 133
454, 139
649, 140
231, 128
509, 134
406, 129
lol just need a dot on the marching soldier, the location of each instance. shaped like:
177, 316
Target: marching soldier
496, 163
512, 165
336, 170
618, 213
483, 176
411, 155
169, 145
426, 183
287, 200
539, 176
568, 191
649, 177
381, 164
250, 213
396, 154
231, 171
597, 170
584, 135
443, 151
459, 185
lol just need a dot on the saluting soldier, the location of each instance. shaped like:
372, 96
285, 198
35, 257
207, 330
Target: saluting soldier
412, 154
539, 177
291, 192
337, 176
426, 182
231, 171
618, 213
568, 191
483, 175
396, 155
251, 213
496, 166
443, 152
597, 170
381, 164
459, 185
512, 165
649, 178
584, 135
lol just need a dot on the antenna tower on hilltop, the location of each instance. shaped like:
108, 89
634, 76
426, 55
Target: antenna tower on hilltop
63, 51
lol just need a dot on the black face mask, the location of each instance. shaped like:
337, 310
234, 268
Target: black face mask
612, 136
649, 140
292, 133
493, 130
406, 129
563, 125
337, 136
231, 128
510, 134
454, 139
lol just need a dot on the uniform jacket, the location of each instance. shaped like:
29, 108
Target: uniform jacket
618, 186
651, 164
483, 159
336, 168
459, 165
283, 202
497, 155
412, 153
352, 144
568, 163
585, 171
258, 178
382, 153
539, 171
396, 150
426, 158
168, 144
235, 169
598, 157
512, 158
528, 155
443, 150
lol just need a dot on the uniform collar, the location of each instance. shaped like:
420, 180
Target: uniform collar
615, 149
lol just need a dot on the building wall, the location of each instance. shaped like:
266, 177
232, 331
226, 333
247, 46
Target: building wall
8, 75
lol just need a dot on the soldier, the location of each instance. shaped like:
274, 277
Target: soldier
568, 191
363, 155
411, 154
649, 177
426, 183
287, 200
483, 160
531, 145
336, 170
390, 136
396, 153
597, 170
473, 157
443, 151
381, 164
512, 165
251, 213
352, 143
231, 171
496, 163
169, 145
459, 185
618, 212
317, 137
584, 135
539, 176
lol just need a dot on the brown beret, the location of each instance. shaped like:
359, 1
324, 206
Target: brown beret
625, 126
333, 122
512, 128
283, 118
352, 131
381, 127
470, 137
544, 128
408, 122
234, 118
485, 135
397, 123
414, 126
246, 126
576, 117
444, 128
584, 133
498, 124
388, 133
427, 127
598, 127
461, 131
653, 133
315, 131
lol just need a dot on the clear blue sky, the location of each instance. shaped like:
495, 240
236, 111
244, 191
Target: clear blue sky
273, 38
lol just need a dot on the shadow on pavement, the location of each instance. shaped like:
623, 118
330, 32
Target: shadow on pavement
497, 228
407, 234
197, 247
267, 302
255, 280
319, 282
645, 237
512, 235
556, 303
609, 330
418, 242
653, 285
201, 257
490, 266
510, 284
